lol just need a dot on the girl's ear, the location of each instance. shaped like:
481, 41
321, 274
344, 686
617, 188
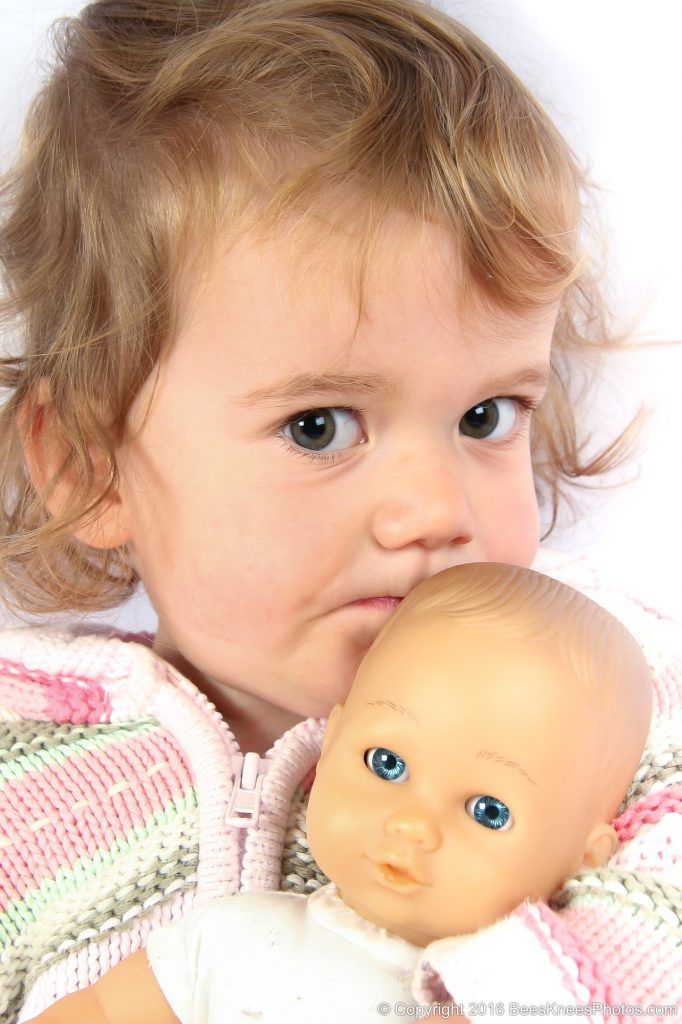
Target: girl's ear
601, 845
45, 451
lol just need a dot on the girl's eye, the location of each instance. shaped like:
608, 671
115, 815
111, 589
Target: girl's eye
328, 430
386, 764
490, 420
489, 812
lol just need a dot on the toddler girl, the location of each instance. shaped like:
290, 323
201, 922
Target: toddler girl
292, 276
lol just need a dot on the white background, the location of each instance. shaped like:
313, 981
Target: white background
610, 74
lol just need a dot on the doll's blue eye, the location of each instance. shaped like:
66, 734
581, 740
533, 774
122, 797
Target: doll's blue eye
489, 812
386, 764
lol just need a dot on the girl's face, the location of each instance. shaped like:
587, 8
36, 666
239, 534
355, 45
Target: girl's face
296, 477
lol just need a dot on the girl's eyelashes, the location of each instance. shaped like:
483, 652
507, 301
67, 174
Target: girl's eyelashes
323, 433
496, 419
327, 433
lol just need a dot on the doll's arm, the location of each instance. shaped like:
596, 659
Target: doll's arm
129, 993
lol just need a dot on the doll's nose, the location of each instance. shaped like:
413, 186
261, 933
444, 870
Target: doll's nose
416, 826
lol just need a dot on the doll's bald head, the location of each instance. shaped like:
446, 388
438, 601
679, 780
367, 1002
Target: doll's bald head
520, 604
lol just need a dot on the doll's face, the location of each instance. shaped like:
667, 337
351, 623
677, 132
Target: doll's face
458, 780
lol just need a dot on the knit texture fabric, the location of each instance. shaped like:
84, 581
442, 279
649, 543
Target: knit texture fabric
115, 778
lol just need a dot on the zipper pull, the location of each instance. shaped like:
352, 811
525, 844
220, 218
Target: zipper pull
244, 804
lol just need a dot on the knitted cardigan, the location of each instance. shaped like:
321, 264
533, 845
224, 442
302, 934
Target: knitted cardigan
116, 778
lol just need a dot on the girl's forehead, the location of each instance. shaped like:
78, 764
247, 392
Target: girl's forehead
323, 258
308, 292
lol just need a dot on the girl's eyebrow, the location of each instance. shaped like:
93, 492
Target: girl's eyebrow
531, 376
302, 384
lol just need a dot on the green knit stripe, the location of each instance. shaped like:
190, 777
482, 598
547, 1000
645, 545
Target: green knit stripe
20, 912
135, 880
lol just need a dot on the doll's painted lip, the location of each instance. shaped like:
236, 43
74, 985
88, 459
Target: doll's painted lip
395, 876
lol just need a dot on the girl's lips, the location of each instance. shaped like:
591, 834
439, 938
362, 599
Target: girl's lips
383, 604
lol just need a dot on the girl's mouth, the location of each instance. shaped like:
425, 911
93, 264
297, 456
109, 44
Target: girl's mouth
383, 604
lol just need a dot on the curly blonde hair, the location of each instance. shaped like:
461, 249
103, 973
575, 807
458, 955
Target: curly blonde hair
168, 121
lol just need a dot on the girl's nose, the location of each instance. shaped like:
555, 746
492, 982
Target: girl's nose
423, 500
416, 826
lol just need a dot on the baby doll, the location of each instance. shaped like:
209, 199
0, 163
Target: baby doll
478, 762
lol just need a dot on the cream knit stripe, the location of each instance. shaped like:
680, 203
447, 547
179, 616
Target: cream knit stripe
129, 886
20, 912
83, 967
632, 892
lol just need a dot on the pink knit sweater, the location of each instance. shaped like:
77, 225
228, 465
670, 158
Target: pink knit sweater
115, 805
116, 779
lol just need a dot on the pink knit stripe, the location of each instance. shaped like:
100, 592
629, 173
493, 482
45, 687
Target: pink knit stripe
71, 678
648, 811
668, 692
589, 973
27, 700
641, 958
43, 695
65, 813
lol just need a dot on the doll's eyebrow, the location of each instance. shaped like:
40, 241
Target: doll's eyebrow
491, 755
395, 707
303, 384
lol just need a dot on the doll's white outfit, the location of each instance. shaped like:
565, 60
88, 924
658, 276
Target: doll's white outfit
279, 956
125, 802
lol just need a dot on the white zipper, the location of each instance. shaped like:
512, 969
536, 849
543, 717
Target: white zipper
244, 804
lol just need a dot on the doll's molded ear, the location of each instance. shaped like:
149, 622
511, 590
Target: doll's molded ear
45, 451
601, 845
332, 722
